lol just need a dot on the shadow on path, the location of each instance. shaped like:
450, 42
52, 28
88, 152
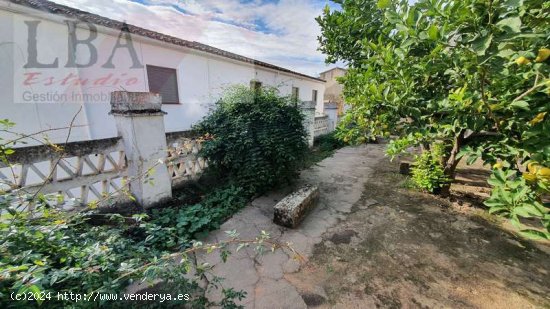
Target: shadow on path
402, 249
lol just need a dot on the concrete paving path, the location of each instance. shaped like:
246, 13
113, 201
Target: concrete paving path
341, 180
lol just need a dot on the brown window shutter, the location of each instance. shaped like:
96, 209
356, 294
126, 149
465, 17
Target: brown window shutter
165, 82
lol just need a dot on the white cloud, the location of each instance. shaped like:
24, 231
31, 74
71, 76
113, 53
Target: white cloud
286, 34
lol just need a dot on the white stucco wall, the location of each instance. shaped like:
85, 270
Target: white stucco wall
201, 78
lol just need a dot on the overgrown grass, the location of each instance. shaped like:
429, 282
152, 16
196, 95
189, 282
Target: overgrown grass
324, 147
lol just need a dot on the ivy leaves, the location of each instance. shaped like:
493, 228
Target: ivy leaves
258, 138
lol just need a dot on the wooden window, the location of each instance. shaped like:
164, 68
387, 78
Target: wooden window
314, 96
164, 81
255, 85
295, 93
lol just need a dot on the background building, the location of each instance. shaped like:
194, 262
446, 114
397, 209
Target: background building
333, 99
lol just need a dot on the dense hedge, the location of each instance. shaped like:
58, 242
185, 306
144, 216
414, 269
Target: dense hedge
254, 137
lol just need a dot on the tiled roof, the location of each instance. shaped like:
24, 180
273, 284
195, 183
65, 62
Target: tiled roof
58, 9
335, 68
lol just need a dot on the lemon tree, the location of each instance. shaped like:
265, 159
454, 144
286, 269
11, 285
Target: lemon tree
472, 75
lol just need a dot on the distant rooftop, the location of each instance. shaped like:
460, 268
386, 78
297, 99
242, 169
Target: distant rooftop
335, 68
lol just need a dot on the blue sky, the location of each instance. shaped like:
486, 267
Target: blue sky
281, 32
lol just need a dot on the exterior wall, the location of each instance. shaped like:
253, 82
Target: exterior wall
96, 171
321, 125
333, 89
332, 114
201, 78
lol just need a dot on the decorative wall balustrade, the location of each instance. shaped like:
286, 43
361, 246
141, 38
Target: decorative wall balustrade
81, 172
183, 161
112, 169
321, 125
88, 171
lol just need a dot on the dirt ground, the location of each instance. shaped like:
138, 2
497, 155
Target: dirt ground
403, 249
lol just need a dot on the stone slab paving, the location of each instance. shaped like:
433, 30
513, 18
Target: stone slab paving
341, 180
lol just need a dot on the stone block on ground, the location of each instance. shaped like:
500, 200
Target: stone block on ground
291, 210
405, 168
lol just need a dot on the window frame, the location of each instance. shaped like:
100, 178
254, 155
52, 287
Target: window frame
297, 97
314, 95
256, 85
175, 70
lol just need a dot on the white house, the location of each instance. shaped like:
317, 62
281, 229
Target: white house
59, 65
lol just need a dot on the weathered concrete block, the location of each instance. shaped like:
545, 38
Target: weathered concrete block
291, 210
123, 102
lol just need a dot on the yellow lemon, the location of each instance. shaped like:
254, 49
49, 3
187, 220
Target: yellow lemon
480, 108
522, 60
39, 262
544, 53
544, 171
529, 177
538, 118
497, 165
533, 167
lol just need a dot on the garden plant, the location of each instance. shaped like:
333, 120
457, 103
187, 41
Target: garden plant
253, 140
471, 76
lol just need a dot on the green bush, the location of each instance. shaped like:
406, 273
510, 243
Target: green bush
324, 147
329, 142
255, 138
58, 252
48, 253
428, 171
518, 196
61, 253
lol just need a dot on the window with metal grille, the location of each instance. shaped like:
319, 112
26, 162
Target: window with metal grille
165, 82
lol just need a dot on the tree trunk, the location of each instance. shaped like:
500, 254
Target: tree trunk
452, 162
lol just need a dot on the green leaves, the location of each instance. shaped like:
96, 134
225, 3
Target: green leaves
60, 252
259, 139
427, 172
480, 45
510, 24
513, 3
427, 70
383, 4
513, 197
174, 227
520, 105
433, 32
